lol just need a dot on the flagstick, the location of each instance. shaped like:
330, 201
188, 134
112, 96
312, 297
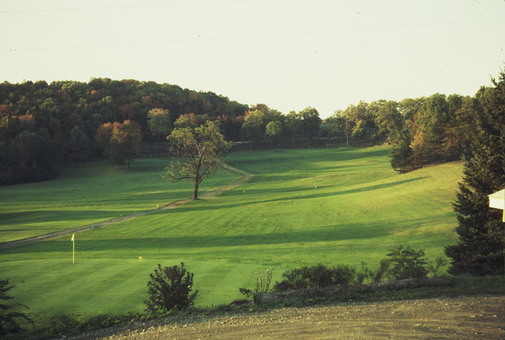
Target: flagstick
73, 248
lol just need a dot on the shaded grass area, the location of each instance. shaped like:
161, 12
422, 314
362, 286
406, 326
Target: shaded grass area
91, 193
302, 207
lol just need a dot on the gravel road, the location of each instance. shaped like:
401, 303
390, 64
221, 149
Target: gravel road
477, 317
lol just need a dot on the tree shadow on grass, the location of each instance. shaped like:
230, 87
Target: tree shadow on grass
44, 216
323, 234
310, 159
359, 232
305, 193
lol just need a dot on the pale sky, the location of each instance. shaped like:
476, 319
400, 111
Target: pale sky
288, 54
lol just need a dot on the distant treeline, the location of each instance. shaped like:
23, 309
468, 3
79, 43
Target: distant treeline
421, 131
43, 126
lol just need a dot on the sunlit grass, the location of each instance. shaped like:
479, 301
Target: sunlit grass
91, 193
302, 207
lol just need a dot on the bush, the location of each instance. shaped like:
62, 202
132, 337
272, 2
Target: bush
435, 269
318, 276
101, 321
382, 272
401, 263
62, 324
405, 263
170, 289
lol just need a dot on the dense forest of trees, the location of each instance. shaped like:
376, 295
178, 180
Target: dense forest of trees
43, 126
421, 131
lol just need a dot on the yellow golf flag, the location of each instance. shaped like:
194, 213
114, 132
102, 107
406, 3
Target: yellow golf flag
73, 248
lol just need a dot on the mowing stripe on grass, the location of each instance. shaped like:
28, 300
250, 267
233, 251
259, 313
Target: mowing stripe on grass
211, 193
302, 207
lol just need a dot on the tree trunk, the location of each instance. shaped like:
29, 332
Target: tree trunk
195, 190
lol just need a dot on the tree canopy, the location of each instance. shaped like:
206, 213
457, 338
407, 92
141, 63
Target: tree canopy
158, 122
197, 151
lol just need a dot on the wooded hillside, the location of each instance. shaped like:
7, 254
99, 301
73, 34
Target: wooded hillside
44, 125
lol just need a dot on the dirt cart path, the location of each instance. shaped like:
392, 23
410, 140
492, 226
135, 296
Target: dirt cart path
441, 318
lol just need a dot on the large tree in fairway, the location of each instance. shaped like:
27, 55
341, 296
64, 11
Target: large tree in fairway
197, 151
481, 232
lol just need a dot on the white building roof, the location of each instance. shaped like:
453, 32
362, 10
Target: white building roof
497, 200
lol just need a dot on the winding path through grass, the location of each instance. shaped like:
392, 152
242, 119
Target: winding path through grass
213, 193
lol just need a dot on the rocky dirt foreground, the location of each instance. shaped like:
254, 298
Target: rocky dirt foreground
477, 317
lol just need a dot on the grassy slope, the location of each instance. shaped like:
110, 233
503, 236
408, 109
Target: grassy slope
302, 207
87, 194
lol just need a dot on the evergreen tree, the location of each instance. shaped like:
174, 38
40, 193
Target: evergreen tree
480, 249
8, 318
170, 288
401, 152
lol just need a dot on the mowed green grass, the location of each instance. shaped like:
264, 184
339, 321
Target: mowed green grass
302, 207
91, 193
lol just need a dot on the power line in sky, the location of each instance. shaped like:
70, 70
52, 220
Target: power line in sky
243, 37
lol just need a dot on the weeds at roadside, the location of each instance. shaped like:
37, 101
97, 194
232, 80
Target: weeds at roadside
263, 282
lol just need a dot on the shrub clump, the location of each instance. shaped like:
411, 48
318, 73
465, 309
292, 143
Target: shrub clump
318, 276
62, 324
405, 263
170, 288
400, 264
